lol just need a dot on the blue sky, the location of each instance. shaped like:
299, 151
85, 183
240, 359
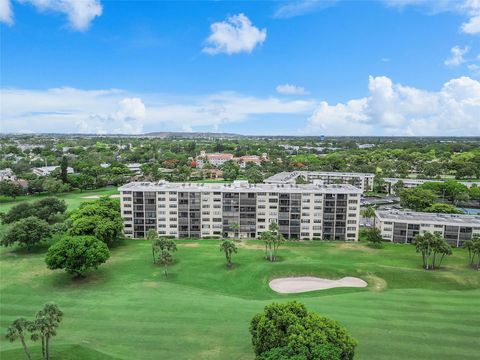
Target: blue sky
278, 67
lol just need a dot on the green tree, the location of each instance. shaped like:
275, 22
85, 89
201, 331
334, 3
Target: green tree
10, 189
398, 187
54, 186
26, 232
430, 246
17, 331
272, 239
100, 218
162, 251
473, 248
254, 175
369, 213
416, 198
289, 331
374, 237
46, 209
45, 326
442, 208
230, 170
229, 248
77, 254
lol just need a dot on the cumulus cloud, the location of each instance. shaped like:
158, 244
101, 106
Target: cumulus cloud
6, 13
116, 111
234, 35
472, 9
456, 56
394, 109
290, 89
80, 13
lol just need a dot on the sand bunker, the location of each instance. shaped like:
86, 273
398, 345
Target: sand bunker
294, 285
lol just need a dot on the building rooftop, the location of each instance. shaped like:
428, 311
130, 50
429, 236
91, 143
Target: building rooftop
422, 181
412, 216
240, 186
286, 176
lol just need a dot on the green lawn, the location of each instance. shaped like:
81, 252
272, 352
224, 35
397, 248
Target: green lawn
73, 198
128, 310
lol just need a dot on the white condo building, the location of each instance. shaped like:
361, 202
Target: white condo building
403, 226
364, 181
329, 212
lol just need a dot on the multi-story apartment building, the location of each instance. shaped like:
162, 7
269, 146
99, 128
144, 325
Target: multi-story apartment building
389, 187
403, 226
329, 212
364, 181
218, 159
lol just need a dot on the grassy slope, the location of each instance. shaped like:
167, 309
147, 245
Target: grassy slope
127, 309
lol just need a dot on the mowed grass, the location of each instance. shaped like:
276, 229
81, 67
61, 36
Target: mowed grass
129, 310
72, 198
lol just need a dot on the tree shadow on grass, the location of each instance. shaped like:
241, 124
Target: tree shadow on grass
23, 251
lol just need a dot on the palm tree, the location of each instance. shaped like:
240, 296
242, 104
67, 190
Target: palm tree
17, 331
46, 322
228, 247
369, 213
166, 258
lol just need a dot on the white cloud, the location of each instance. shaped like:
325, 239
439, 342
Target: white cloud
80, 13
289, 89
301, 7
468, 8
456, 56
472, 9
394, 109
117, 111
234, 35
6, 14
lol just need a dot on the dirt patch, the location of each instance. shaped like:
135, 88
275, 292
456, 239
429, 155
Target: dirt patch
295, 285
150, 284
355, 246
245, 245
189, 245
376, 283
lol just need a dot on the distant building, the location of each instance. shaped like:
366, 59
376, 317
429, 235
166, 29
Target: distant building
366, 146
403, 226
47, 170
364, 181
389, 183
218, 159
7, 175
134, 168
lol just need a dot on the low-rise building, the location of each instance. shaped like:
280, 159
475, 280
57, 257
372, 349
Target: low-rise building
7, 175
309, 211
364, 181
389, 183
403, 226
134, 168
47, 170
218, 159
